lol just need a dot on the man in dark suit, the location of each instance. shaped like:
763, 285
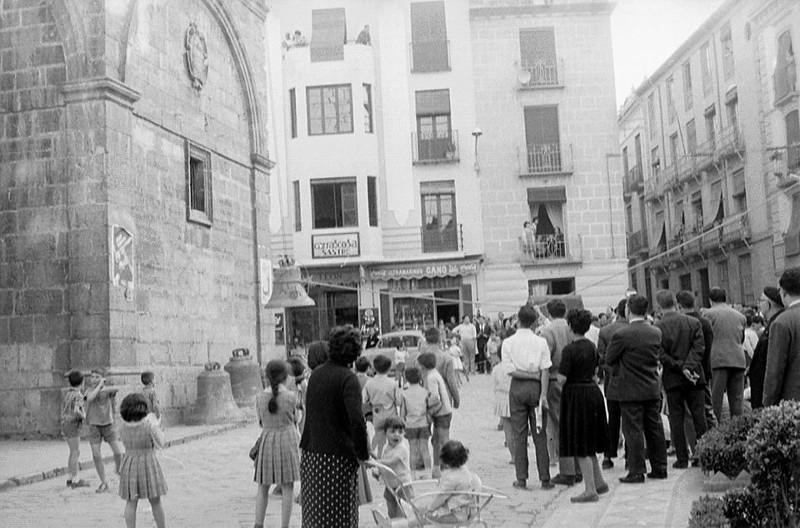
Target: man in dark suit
632, 357
613, 406
782, 381
686, 305
682, 350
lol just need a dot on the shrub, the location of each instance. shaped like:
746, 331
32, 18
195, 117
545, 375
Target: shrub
741, 508
773, 457
723, 448
708, 512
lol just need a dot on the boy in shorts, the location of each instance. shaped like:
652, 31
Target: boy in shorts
72, 416
416, 409
100, 416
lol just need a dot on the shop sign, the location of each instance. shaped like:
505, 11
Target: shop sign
335, 245
425, 269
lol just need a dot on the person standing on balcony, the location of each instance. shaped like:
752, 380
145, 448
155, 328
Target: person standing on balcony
363, 37
527, 238
727, 353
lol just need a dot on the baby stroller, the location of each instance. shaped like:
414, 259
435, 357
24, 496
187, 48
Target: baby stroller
411, 496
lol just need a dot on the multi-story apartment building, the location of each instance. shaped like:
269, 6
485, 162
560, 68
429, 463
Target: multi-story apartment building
544, 89
698, 140
375, 190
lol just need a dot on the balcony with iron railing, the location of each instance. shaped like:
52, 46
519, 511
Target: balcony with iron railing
705, 155
729, 142
439, 240
545, 159
429, 56
736, 231
654, 186
443, 148
541, 75
547, 249
634, 180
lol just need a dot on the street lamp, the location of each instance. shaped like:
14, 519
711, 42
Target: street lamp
476, 134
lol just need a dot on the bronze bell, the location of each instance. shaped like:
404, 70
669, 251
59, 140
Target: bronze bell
287, 289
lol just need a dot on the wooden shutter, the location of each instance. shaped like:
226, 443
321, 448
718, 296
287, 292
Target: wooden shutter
541, 125
328, 34
429, 37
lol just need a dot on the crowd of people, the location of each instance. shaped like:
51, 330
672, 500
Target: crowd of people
547, 373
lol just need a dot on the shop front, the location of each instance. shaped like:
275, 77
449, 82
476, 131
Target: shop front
419, 295
335, 292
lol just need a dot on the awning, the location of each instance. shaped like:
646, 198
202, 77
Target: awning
433, 102
547, 194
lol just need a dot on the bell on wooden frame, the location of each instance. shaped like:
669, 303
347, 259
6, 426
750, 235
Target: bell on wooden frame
287, 289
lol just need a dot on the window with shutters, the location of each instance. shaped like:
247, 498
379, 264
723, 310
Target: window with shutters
739, 192
691, 137
198, 184
334, 203
697, 211
793, 139
298, 219
330, 109
687, 85
726, 42
328, 35
784, 78
435, 140
439, 227
293, 112
372, 200
537, 47
674, 148
637, 147
430, 49
711, 131
367, 102
545, 239
670, 101
651, 115
543, 142
705, 69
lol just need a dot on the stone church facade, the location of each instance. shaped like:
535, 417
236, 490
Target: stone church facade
133, 195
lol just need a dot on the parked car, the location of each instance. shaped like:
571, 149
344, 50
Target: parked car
391, 341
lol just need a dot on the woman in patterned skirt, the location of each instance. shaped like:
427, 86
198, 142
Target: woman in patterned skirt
278, 461
334, 440
140, 475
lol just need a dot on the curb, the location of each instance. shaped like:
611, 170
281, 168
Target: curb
14, 482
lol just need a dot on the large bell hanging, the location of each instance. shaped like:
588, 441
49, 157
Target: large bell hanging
287, 290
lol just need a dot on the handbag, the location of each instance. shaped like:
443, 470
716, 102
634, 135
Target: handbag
254, 449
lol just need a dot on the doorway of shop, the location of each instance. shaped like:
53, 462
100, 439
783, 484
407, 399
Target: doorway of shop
342, 308
447, 305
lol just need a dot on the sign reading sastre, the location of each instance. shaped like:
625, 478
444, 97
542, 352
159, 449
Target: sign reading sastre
335, 245
425, 269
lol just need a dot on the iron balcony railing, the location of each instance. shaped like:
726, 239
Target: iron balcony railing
634, 179
438, 240
542, 74
435, 148
430, 55
550, 158
543, 247
637, 242
729, 142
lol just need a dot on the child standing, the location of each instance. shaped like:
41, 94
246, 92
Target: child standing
149, 393
457, 354
382, 395
363, 366
450, 506
400, 358
502, 385
100, 416
397, 457
278, 459
415, 410
140, 473
443, 413
72, 416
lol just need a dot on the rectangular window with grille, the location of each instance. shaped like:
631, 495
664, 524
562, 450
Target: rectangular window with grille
330, 109
543, 139
439, 222
537, 47
435, 139
198, 184
334, 203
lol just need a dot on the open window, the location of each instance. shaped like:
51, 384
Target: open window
199, 202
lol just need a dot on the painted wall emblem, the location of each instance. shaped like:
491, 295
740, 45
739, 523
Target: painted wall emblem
121, 257
196, 52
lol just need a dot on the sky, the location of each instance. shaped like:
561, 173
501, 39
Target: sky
646, 32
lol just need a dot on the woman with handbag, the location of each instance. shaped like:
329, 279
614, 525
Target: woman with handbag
276, 458
334, 441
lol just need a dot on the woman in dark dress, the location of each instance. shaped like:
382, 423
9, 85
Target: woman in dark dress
334, 440
584, 429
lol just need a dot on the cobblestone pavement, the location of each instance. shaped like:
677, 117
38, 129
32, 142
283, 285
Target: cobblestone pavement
211, 484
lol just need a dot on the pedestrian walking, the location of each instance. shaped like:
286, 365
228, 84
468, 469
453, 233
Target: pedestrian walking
468, 334
443, 414
727, 353
140, 473
278, 460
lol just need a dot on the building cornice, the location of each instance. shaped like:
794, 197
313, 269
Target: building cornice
103, 88
588, 8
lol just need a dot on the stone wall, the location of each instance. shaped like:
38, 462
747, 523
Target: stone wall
96, 109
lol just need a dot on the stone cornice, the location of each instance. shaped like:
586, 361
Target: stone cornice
592, 8
103, 88
261, 163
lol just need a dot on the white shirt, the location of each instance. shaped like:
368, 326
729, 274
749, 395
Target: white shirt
466, 331
593, 334
527, 352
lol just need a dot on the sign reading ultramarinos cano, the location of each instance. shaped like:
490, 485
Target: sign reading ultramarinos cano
425, 269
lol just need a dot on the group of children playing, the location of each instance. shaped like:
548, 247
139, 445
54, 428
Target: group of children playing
140, 473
